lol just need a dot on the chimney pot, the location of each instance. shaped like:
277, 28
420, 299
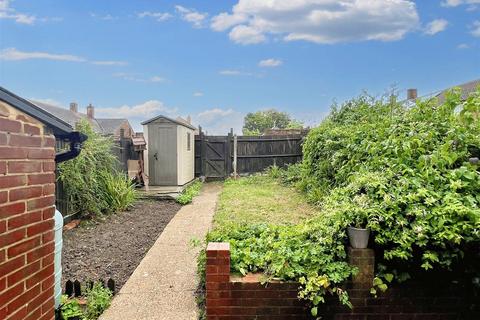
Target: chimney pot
412, 94
74, 107
90, 111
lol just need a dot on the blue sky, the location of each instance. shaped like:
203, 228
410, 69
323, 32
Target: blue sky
218, 60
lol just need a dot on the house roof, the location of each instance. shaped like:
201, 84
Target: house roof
58, 125
110, 125
102, 126
180, 121
466, 88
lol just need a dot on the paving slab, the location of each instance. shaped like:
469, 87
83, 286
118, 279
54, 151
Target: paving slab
164, 283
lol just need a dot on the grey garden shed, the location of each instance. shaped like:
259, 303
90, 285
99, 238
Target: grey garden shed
169, 158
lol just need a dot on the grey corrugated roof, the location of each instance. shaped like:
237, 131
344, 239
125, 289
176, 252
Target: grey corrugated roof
70, 117
110, 125
467, 89
57, 124
180, 122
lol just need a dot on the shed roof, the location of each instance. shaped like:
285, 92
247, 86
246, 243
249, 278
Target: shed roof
58, 126
179, 122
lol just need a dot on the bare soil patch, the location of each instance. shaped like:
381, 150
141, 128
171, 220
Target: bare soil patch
113, 247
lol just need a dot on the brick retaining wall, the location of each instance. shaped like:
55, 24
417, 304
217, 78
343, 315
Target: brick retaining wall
245, 298
26, 217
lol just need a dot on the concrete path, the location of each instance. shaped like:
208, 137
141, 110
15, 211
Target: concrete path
164, 283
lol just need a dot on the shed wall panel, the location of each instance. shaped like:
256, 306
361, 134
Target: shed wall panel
186, 158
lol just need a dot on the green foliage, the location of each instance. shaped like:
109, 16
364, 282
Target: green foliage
91, 182
118, 191
256, 123
70, 308
406, 171
191, 191
98, 300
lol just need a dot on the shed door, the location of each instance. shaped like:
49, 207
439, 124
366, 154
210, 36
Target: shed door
162, 155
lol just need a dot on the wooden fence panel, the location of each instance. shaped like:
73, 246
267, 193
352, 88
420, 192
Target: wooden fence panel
214, 154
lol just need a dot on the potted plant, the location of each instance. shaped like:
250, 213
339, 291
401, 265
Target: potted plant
358, 233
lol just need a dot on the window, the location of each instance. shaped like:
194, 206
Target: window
189, 141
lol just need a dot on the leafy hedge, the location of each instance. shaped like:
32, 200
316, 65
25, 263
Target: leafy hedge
408, 173
91, 181
404, 170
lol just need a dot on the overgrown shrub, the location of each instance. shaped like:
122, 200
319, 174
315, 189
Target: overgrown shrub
409, 171
91, 182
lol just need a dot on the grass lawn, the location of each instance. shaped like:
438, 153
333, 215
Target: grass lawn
258, 199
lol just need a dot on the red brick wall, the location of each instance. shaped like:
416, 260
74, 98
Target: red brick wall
233, 298
26, 217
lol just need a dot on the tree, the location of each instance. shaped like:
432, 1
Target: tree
255, 123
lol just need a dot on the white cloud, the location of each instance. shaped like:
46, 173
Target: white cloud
110, 63
219, 121
270, 63
230, 72
463, 46
196, 18
456, 3
49, 101
6, 12
13, 54
319, 21
146, 109
435, 26
159, 16
476, 28
246, 35
157, 79
198, 94
106, 17
137, 78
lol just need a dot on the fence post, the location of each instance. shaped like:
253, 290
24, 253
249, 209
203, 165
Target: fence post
203, 154
235, 156
228, 153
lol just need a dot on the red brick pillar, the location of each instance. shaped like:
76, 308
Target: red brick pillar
217, 279
26, 217
364, 260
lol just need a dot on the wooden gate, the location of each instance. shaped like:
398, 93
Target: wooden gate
216, 159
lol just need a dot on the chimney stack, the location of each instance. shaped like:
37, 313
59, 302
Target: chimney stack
74, 107
90, 111
412, 94
189, 119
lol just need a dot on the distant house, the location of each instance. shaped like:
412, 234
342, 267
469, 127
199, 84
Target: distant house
104, 126
466, 89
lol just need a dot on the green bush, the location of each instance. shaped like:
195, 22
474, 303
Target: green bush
91, 182
98, 300
408, 173
191, 191
118, 191
407, 169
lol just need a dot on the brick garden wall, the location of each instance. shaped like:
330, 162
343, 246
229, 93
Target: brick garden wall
26, 217
233, 298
